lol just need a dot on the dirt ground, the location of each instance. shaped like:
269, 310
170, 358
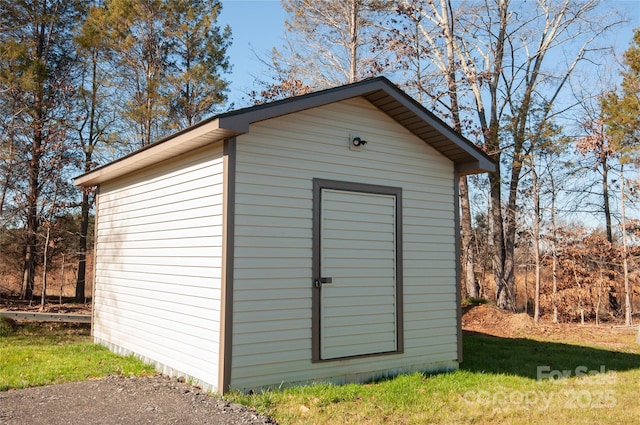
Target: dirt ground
490, 320
162, 400
157, 400
115, 400
52, 305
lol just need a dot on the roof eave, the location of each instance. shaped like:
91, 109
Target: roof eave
475, 167
192, 138
468, 159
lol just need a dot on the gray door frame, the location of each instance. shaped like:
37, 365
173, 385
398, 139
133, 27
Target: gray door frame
318, 186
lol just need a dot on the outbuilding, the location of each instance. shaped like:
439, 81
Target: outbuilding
309, 239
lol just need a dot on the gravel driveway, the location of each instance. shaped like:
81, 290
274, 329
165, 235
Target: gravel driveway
114, 400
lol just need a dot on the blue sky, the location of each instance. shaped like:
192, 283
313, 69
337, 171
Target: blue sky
258, 25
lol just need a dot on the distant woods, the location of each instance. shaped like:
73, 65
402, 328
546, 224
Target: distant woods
554, 230
82, 82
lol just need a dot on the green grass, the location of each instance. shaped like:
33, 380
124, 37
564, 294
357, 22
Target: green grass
473, 301
497, 383
36, 355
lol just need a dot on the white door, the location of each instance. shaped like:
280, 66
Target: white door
358, 273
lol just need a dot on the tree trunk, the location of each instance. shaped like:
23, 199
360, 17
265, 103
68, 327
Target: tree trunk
599, 298
82, 248
29, 269
6, 181
502, 255
45, 264
526, 288
625, 261
33, 164
147, 122
579, 286
85, 206
353, 40
613, 300
467, 253
468, 258
605, 195
503, 289
536, 242
554, 250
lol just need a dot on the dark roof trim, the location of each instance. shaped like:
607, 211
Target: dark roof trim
379, 91
383, 94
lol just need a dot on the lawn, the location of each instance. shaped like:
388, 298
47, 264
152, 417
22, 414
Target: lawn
502, 380
42, 355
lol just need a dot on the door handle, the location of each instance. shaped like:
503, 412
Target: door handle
322, 281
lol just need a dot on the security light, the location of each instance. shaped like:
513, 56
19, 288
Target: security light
357, 142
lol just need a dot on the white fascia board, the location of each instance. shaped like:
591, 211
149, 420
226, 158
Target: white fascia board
177, 144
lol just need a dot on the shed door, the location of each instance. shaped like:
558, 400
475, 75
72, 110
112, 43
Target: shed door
358, 265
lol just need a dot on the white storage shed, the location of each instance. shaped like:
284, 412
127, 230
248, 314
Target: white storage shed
309, 239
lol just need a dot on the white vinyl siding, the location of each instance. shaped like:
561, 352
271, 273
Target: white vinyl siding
272, 312
159, 262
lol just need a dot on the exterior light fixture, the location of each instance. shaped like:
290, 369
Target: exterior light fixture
358, 142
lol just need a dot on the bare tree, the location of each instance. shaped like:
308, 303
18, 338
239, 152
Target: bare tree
554, 171
622, 117
433, 42
502, 56
544, 147
596, 148
537, 215
329, 42
625, 249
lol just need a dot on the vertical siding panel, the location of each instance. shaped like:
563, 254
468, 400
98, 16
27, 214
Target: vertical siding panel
159, 262
276, 163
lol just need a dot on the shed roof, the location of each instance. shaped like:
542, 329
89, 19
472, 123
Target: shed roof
381, 92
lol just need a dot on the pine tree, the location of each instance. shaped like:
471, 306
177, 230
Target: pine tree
198, 57
622, 110
95, 117
169, 57
135, 31
36, 69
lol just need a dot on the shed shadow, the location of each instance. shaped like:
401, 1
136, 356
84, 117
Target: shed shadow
523, 357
